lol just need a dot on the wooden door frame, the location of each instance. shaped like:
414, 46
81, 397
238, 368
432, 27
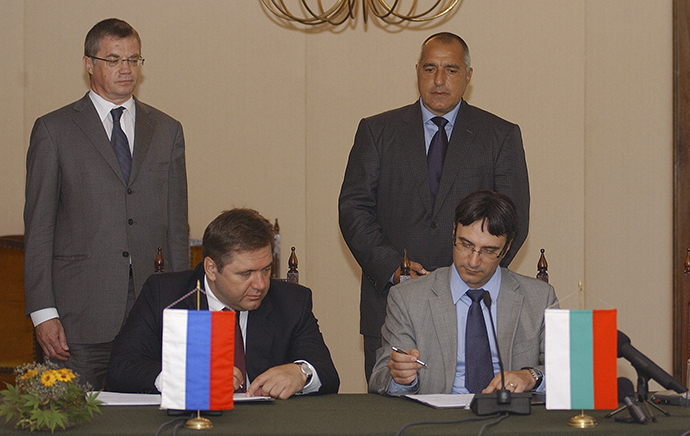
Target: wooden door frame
681, 187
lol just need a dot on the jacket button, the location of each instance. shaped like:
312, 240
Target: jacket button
129, 190
130, 221
434, 225
125, 254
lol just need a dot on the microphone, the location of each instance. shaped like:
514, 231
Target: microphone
626, 395
503, 400
645, 366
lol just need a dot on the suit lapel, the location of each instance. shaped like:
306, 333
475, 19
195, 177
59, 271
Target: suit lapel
144, 127
190, 302
459, 143
508, 310
86, 118
412, 130
445, 324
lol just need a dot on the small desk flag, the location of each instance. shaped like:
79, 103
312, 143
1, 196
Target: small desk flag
580, 362
198, 359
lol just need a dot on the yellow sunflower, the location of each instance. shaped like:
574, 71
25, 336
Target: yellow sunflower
49, 377
64, 375
30, 374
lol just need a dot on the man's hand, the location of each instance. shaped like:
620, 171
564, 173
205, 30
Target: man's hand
416, 270
516, 381
404, 367
279, 382
237, 378
51, 336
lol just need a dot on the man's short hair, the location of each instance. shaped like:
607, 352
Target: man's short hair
449, 38
496, 211
109, 28
234, 231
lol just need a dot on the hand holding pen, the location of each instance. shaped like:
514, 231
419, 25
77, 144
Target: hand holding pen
403, 365
398, 350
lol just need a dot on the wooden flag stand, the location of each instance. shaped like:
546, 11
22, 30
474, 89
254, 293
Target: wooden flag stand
199, 422
582, 420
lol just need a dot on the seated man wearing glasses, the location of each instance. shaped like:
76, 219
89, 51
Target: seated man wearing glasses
440, 325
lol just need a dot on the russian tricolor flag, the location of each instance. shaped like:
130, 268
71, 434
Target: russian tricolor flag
580, 362
198, 359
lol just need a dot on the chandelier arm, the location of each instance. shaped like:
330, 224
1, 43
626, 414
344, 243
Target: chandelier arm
390, 9
419, 17
325, 15
347, 9
281, 11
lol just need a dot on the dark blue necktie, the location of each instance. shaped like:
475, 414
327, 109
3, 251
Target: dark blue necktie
437, 152
120, 144
478, 367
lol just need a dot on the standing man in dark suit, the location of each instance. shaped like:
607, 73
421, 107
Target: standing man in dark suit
106, 185
285, 351
405, 175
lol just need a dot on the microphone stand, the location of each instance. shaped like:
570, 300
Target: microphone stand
643, 393
502, 400
642, 397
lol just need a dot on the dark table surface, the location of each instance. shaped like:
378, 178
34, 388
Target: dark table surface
365, 414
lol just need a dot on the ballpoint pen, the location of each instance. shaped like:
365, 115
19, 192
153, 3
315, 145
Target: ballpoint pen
398, 350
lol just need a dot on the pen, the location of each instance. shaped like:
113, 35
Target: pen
398, 350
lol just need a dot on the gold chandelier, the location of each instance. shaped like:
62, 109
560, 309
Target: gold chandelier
341, 10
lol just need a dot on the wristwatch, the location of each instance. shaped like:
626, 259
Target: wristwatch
538, 376
306, 370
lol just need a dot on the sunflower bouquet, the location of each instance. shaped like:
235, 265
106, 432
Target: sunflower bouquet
45, 397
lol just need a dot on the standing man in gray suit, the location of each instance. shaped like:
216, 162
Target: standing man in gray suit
405, 175
431, 318
106, 185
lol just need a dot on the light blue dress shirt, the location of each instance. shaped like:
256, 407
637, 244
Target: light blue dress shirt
430, 128
462, 301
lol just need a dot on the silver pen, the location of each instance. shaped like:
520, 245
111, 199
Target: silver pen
398, 350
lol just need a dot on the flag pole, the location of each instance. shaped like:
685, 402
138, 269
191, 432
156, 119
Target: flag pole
582, 420
198, 423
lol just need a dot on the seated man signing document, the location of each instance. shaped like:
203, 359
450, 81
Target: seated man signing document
440, 322
285, 351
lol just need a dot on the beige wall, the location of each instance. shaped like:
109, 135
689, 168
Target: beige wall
270, 111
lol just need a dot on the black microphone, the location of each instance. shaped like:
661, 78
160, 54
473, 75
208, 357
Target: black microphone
626, 395
644, 365
503, 400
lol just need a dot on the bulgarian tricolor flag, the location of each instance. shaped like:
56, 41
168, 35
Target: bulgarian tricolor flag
581, 352
198, 359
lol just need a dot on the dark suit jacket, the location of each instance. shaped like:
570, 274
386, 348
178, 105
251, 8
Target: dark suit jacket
283, 329
385, 204
83, 222
421, 315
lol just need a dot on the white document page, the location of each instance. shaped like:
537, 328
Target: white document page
443, 401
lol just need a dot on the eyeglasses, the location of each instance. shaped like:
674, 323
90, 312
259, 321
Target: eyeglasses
485, 254
112, 63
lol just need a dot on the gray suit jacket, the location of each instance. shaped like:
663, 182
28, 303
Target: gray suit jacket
421, 315
83, 223
385, 204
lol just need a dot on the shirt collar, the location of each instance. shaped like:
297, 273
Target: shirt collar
427, 115
458, 287
214, 303
103, 106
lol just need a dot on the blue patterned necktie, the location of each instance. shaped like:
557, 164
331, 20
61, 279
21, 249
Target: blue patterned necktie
478, 367
118, 140
434, 159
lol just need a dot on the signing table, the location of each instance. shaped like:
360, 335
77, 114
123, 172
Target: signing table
363, 414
